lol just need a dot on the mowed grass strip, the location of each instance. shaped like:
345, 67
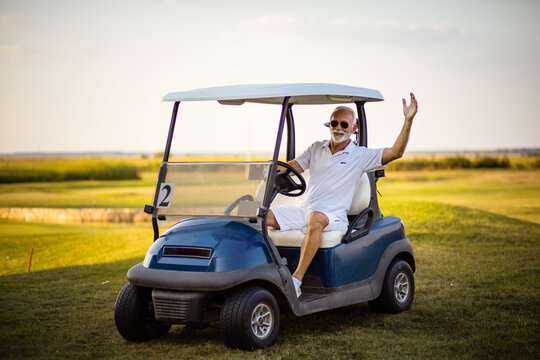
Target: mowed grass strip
477, 297
507, 192
197, 189
80, 194
514, 193
67, 245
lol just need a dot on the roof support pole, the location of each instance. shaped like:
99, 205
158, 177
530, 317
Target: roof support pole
270, 183
163, 169
272, 175
361, 136
291, 137
167, 151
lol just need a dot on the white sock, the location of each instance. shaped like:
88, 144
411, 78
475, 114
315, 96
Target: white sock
297, 283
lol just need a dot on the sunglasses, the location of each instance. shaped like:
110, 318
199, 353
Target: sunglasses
343, 124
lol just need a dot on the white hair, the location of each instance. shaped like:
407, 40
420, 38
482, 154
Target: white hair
344, 108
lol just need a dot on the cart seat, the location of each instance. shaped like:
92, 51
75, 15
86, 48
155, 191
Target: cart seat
293, 238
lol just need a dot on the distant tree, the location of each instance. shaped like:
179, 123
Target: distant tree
491, 162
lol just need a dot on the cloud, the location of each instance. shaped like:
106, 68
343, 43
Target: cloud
278, 26
9, 49
271, 21
267, 30
430, 31
7, 21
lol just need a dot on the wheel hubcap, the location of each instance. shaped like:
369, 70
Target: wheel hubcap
262, 321
401, 287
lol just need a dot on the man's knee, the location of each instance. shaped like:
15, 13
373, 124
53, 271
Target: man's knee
271, 220
317, 221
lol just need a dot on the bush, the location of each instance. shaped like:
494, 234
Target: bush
33, 170
460, 162
412, 164
491, 162
456, 162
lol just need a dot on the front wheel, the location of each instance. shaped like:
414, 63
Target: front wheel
134, 315
249, 319
398, 289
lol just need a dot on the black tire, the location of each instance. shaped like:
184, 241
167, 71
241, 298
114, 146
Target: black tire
249, 319
134, 315
398, 289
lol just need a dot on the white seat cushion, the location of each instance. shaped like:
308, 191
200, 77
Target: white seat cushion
293, 238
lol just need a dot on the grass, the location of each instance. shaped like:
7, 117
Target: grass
477, 297
476, 237
67, 245
16, 170
511, 193
198, 189
514, 193
439, 162
80, 194
22, 170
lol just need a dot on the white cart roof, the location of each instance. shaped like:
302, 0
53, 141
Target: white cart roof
307, 93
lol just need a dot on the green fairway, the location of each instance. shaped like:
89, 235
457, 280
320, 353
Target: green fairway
514, 193
476, 237
477, 297
80, 194
511, 193
66, 245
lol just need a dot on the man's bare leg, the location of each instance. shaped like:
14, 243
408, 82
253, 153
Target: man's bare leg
317, 221
271, 220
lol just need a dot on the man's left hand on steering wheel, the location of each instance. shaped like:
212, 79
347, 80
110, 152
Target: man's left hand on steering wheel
285, 183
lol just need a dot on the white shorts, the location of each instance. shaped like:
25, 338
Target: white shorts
290, 217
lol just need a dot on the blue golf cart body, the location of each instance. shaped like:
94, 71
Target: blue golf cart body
220, 261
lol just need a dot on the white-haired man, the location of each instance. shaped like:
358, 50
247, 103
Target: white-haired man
334, 166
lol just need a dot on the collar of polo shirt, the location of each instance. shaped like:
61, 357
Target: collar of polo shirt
347, 149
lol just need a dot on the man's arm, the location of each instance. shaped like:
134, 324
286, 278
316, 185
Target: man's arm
294, 164
396, 151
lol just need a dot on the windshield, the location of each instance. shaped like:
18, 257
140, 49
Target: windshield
208, 130
210, 188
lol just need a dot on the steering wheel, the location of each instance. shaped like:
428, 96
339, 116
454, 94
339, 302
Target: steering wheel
237, 202
285, 183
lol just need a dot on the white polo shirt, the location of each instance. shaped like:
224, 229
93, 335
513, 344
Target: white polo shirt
332, 178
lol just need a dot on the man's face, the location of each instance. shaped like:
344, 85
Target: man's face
340, 133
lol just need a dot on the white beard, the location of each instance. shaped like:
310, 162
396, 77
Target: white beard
339, 137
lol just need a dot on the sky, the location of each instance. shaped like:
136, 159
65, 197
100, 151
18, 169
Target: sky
80, 76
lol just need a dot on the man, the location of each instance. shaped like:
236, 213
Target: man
334, 167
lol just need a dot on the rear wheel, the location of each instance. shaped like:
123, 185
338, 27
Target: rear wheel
134, 315
249, 319
398, 289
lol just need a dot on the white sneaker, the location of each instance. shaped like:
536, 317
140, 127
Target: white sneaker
297, 283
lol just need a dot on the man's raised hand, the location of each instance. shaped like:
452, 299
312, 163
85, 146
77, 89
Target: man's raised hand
410, 111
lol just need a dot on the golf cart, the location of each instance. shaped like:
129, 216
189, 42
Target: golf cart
219, 262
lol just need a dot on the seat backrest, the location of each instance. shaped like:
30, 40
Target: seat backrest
360, 201
362, 195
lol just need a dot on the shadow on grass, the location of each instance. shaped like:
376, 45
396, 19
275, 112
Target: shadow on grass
69, 312
476, 297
